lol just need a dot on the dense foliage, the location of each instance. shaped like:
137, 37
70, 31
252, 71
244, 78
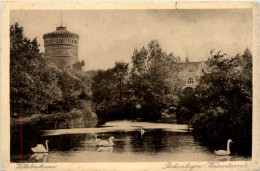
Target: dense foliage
150, 86
219, 108
39, 86
110, 92
32, 81
225, 101
154, 79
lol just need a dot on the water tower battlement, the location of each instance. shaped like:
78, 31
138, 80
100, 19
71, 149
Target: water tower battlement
61, 46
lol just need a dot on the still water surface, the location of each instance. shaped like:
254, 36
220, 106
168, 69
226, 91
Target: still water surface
160, 143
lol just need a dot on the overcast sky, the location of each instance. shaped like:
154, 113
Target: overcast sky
107, 36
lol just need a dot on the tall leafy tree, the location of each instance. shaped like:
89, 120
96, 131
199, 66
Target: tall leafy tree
121, 72
154, 77
32, 79
225, 99
109, 87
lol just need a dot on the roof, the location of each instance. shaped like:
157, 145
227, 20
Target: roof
190, 63
61, 31
190, 66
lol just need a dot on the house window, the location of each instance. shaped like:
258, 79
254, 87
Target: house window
190, 70
190, 81
202, 70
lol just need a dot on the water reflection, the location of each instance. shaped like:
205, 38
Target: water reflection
154, 145
105, 149
40, 157
223, 158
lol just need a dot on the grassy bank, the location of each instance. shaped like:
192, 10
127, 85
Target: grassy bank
74, 119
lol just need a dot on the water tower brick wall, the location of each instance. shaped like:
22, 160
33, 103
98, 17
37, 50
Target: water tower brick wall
58, 53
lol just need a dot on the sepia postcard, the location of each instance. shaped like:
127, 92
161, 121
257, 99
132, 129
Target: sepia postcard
159, 85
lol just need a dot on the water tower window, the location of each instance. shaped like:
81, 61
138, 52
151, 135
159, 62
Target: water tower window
190, 81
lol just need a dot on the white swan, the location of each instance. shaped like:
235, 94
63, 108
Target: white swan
106, 143
142, 131
224, 152
40, 148
97, 139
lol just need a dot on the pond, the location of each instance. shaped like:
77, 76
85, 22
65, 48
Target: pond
159, 143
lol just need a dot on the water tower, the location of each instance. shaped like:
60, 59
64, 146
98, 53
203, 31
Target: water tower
61, 46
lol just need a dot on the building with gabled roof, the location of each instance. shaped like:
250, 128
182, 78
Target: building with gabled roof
191, 72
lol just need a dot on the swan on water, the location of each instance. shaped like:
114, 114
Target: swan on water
224, 152
106, 143
97, 139
142, 130
40, 148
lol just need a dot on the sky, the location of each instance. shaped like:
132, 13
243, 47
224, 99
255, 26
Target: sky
107, 36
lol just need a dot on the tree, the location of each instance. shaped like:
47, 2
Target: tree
187, 59
151, 84
225, 99
120, 70
78, 65
109, 89
40, 84
48, 91
154, 78
104, 87
32, 79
